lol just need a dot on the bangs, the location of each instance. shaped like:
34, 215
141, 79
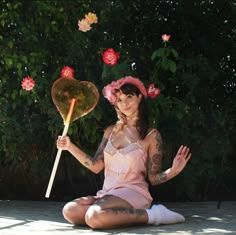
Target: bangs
129, 89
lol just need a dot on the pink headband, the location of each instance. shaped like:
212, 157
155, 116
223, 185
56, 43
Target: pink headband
109, 90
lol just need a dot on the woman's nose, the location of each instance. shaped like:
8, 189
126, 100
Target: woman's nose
125, 103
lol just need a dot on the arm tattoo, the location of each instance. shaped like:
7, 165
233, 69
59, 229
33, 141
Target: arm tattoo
160, 178
155, 162
99, 155
159, 141
90, 160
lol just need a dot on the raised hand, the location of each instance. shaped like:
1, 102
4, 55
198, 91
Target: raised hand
182, 157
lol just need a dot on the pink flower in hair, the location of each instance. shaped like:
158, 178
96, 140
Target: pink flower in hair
110, 89
152, 91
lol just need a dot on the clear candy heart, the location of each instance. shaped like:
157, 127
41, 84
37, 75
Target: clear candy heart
85, 94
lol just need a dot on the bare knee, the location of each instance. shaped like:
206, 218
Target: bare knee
94, 218
73, 213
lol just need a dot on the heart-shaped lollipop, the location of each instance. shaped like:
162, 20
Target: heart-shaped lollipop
73, 100
66, 88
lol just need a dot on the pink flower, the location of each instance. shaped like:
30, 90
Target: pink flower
84, 25
165, 37
152, 91
110, 57
28, 83
67, 72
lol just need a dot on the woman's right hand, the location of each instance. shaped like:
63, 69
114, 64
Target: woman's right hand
182, 157
63, 142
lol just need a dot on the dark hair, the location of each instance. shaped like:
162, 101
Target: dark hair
143, 122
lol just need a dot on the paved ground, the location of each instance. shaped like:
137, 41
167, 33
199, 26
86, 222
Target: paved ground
44, 218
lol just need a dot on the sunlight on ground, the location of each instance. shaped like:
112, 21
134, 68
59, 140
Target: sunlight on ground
216, 231
215, 219
10, 225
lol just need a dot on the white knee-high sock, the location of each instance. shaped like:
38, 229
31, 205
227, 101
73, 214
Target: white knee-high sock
159, 214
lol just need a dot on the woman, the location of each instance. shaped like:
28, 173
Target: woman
129, 152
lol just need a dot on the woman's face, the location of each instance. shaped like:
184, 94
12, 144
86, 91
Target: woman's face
128, 104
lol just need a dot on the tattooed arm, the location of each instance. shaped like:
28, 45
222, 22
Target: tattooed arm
155, 174
96, 163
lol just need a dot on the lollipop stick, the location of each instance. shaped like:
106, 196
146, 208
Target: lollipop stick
66, 127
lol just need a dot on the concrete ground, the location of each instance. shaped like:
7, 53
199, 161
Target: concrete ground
45, 218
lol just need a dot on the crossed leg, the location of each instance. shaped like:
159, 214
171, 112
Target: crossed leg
112, 212
103, 213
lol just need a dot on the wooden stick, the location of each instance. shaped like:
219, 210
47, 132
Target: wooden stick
59, 151
68, 117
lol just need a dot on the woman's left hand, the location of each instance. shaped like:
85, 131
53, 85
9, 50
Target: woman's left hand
182, 157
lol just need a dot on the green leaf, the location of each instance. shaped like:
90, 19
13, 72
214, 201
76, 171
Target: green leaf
106, 71
3, 22
174, 53
24, 59
172, 66
158, 53
9, 62
14, 94
121, 70
10, 44
164, 63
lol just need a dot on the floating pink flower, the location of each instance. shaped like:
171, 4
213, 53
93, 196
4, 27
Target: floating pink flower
110, 57
152, 91
84, 25
67, 72
28, 83
165, 37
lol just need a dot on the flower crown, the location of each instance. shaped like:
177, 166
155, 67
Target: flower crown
109, 90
